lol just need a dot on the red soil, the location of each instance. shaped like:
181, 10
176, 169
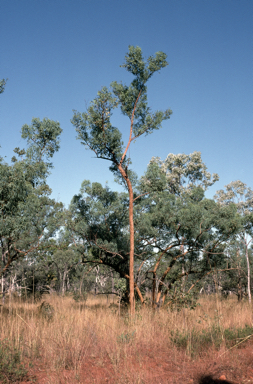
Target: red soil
147, 366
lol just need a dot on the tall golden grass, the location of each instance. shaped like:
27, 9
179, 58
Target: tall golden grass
79, 331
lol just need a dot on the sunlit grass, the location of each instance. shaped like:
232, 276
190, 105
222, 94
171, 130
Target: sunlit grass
94, 329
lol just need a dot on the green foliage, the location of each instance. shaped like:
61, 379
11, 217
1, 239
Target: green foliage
174, 221
46, 311
239, 194
94, 127
42, 138
173, 224
99, 216
126, 337
80, 297
138, 67
184, 233
11, 368
64, 262
121, 287
2, 85
95, 130
27, 213
234, 336
180, 174
163, 221
179, 298
197, 342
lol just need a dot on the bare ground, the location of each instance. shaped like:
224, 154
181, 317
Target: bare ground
159, 367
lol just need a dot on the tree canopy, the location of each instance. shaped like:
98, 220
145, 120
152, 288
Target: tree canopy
28, 215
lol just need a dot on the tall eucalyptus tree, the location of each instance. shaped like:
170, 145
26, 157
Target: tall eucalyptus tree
97, 133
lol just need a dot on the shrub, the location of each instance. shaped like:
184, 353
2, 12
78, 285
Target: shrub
11, 368
46, 310
196, 342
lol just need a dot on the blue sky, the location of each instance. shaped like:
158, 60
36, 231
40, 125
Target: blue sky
58, 53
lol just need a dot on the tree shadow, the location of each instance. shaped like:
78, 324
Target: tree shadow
209, 380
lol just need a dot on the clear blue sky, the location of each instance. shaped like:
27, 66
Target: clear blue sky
58, 53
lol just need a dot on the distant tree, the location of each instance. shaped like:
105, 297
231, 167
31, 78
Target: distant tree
181, 173
27, 214
65, 261
98, 222
235, 280
242, 196
186, 231
96, 132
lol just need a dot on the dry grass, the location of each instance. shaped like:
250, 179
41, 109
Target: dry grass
90, 343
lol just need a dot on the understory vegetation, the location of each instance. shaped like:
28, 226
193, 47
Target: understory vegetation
69, 336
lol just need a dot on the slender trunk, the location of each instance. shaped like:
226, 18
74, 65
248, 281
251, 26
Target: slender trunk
112, 282
183, 269
10, 289
164, 296
239, 294
64, 277
139, 294
248, 267
81, 283
154, 285
131, 230
68, 282
153, 290
239, 284
160, 285
131, 213
33, 288
239, 287
3, 278
3, 289
131, 254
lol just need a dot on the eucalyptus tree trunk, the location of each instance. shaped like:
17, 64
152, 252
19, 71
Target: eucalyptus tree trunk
131, 253
248, 269
64, 282
3, 277
81, 283
112, 281
239, 284
183, 269
3, 288
153, 290
131, 232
